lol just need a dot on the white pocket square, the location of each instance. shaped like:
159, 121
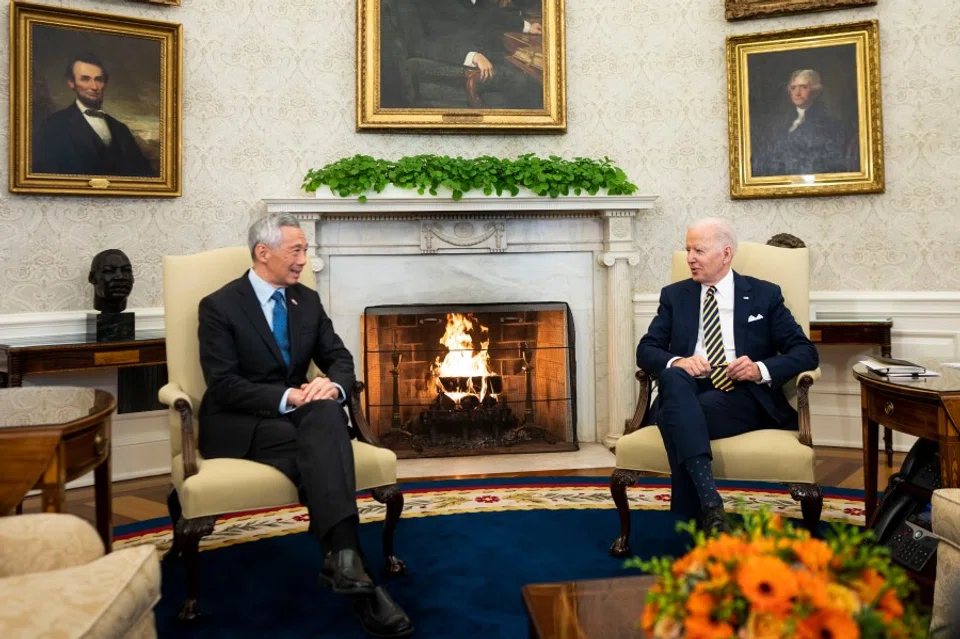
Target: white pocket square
754, 318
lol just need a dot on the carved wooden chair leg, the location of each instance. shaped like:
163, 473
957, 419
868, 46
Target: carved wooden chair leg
620, 480
176, 513
393, 499
811, 503
190, 531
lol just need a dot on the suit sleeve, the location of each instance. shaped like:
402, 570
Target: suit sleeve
451, 41
796, 353
653, 351
221, 367
331, 356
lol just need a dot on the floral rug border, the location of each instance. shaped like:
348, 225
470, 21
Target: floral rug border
245, 527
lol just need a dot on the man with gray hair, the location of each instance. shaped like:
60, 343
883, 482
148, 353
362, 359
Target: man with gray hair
807, 140
258, 335
721, 345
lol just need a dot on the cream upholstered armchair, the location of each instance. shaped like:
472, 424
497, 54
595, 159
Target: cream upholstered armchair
774, 454
945, 621
55, 581
206, 488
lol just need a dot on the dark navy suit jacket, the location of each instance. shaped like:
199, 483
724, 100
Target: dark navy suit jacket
65, 143
244, 370
776, 339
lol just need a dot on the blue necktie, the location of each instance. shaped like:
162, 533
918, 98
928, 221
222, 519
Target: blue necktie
280, 331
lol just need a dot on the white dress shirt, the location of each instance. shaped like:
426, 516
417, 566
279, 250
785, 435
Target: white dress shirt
264, 291
99, 125
801, 113
724, 296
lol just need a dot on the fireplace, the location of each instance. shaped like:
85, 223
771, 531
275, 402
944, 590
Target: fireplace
468, 379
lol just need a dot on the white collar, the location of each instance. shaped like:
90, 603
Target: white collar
724, 287
263, 289
800, 111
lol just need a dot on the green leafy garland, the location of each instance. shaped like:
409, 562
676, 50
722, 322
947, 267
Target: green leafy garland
553, 176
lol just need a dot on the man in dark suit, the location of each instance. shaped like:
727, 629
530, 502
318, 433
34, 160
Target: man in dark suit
470, 33
83, 139
807, 139
258, 335
722, 345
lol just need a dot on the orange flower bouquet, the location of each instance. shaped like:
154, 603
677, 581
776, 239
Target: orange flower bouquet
771, 580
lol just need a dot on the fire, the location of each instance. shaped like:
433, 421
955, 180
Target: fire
463, 360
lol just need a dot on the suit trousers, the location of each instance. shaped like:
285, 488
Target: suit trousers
311, 446
693, 412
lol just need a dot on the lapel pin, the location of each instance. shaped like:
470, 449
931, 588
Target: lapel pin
293, 301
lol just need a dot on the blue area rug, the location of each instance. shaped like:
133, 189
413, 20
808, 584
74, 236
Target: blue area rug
469, 546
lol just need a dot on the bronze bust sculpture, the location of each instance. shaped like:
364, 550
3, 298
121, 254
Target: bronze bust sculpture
112, 279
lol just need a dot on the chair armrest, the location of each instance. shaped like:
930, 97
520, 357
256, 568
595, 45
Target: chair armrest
358, 419
173, 396
46, 541
643, 402
804, 382
171, 392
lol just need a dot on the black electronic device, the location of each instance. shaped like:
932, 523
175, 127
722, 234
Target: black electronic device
904, 527
921, 467
902, 523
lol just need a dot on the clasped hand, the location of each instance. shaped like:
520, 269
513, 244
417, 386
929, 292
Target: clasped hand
742, 369
319, 388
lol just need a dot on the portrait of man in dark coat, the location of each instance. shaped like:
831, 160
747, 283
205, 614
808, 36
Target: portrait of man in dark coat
83, 138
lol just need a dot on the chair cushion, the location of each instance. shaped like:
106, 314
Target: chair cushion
226, 485
761, 455
946, 514
46, 541
108, 597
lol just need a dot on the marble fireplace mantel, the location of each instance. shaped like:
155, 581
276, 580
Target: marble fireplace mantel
546, 230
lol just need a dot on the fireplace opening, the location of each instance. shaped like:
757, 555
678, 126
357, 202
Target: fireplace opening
471, 379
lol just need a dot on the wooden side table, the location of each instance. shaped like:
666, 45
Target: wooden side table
868, 331
589, 609
19, 358
50, 435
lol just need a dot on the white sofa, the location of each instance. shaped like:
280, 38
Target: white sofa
55, 581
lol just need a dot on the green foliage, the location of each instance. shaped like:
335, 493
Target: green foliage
552, 176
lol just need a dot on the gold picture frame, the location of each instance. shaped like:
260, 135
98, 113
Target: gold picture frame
416, 72
744, 9
804, 112
95, 103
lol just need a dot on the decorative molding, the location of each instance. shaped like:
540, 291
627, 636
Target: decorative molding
609, 258
17, 326
333, 207
465, 237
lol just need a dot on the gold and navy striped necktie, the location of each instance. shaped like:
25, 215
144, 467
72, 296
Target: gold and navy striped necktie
713, 342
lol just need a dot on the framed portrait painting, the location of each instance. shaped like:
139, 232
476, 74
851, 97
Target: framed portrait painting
804, 112
461, 65
743, 9
95, 103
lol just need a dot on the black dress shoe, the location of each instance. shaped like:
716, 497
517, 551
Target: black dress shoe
380, 615
714, 521
343, 571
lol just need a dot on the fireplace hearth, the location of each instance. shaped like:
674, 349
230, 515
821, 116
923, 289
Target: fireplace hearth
468, 379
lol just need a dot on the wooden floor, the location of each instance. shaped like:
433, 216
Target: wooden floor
141, 499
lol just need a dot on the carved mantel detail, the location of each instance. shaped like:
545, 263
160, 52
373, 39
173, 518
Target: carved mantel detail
462, 236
